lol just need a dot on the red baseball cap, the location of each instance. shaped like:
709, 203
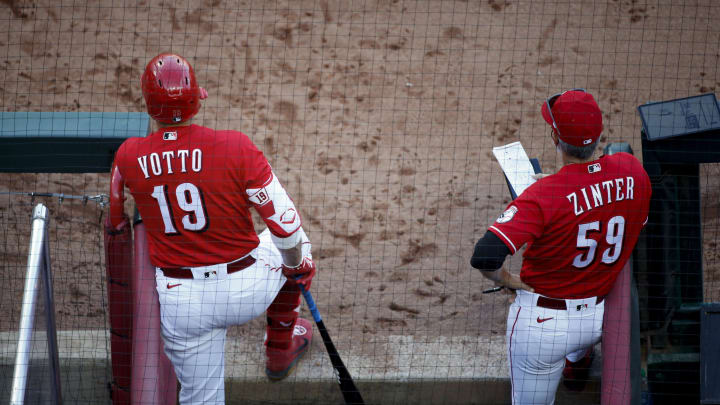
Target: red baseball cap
575, 117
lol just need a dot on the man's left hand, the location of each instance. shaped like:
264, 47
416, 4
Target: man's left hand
302, 274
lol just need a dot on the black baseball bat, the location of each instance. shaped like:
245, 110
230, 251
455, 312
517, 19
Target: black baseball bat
347, 385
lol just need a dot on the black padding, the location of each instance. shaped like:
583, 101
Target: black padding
490, 253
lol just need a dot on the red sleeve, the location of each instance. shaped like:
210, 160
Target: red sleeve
520, 223
256, 167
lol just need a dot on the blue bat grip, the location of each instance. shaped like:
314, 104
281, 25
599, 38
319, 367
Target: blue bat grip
310, 303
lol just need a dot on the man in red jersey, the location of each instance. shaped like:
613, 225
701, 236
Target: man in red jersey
194, 187
580, 226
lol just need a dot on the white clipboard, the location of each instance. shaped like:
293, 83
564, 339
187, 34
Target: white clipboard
516, 166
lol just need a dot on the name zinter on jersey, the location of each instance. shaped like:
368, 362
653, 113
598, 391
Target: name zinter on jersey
603, 193
171, 161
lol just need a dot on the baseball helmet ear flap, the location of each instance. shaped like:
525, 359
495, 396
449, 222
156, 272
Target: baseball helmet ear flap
170, 89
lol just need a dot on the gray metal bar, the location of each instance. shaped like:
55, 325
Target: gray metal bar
102, 199
53, 353
37, 259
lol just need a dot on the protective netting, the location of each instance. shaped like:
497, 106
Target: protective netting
379, 117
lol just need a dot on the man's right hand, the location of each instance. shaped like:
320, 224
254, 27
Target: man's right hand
538, 176
302, 274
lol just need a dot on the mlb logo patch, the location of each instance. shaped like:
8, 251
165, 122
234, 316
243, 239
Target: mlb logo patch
507, 215
170, 136
594, 168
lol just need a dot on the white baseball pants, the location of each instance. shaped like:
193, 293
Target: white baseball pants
539, 339
195, 314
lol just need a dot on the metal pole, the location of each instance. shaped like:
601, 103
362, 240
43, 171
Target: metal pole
53, 352
27, 316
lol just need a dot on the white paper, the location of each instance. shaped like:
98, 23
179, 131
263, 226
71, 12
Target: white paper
516, 165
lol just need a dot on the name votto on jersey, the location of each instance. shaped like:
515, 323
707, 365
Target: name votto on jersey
602, 193
181, 160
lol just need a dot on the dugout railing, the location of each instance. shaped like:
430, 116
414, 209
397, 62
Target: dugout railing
56, 142
38, 273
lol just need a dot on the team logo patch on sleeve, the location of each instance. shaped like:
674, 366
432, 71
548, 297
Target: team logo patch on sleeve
507, 215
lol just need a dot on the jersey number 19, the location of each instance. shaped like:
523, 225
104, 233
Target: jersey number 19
190, 200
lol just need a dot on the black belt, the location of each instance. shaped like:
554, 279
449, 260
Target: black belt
186, 272
554, 303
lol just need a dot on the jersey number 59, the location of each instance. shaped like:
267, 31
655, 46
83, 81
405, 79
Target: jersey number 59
613, 237
190, 200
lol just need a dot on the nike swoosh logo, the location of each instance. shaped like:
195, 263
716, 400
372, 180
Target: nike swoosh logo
169, 286
539, 320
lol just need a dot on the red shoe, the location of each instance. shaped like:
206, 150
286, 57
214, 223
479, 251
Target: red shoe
576, 374
280, 363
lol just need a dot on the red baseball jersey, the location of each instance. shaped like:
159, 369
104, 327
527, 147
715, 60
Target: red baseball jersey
189, 184
581, 225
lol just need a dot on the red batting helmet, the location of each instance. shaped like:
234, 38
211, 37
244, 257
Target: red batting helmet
171, 92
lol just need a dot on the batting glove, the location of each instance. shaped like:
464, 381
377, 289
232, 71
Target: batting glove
302, 274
